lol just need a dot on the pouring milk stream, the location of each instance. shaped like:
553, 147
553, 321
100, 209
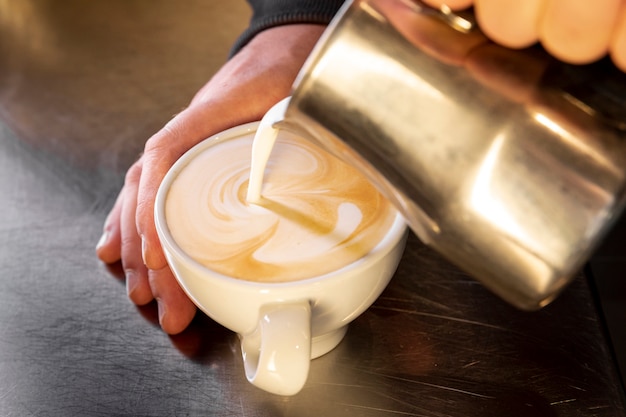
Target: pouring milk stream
264, 140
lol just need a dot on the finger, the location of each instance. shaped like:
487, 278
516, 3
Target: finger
578, 31
511, 23
618, 42
452, 4
176, 310
108, 248
137, 285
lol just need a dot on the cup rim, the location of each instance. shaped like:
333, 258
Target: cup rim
393, 236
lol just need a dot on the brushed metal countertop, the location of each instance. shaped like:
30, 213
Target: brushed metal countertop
82, 85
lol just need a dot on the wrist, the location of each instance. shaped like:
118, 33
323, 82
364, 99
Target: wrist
286, 43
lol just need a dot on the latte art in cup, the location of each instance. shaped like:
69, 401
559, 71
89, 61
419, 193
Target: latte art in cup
246, 265
317, 214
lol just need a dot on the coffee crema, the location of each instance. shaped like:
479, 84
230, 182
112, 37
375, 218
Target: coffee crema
316, 215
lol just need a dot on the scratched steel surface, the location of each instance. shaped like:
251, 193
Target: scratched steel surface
82, 85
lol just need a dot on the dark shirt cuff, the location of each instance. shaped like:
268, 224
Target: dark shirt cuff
271, 13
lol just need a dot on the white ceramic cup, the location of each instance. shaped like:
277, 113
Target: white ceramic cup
282, 326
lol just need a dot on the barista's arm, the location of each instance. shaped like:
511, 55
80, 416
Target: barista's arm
271, 13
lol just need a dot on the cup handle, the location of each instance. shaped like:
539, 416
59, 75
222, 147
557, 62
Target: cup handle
277, 354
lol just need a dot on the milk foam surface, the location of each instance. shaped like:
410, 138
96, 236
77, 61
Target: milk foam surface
316, 214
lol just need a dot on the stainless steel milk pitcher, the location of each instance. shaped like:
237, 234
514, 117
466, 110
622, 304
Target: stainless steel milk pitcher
510, 164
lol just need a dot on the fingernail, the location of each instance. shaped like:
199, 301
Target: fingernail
131, 283
103, 240
162, 311
144, 249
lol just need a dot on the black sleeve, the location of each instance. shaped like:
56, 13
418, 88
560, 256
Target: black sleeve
270, 13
